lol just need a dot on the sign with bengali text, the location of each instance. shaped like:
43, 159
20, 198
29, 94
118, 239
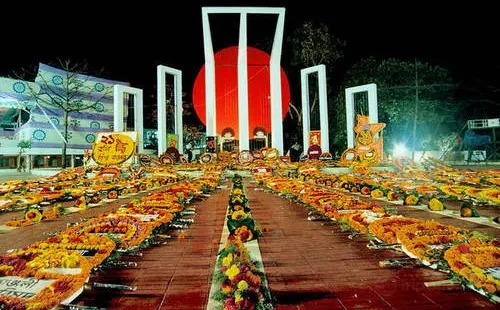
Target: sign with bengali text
25, 288
114, 148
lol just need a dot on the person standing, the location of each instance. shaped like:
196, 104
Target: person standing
189, 151
295, 152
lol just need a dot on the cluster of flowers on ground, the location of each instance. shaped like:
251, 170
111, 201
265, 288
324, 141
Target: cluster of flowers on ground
469, 256
240, 221
241, 283
43, 199
432, 186
85, 246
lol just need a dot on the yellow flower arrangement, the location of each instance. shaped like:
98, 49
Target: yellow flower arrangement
475, 192
241, 276
142, 187
37, 263
377, 193
81, 202
239, 215
391, 196
385, 229
453, 190
358, 222
436, 205
154, 216
237, 207
243, 233
365, 190
242, 285
471, 260
236, 191
49, 297
124, 191
424, 238
100, 246
228, 260
492, 195
112, 194
232, 272
411, 200
33, 215
128, 229
133, 189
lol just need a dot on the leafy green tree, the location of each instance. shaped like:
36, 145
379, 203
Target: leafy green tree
415, 100
23, 145
75, 93
313, 45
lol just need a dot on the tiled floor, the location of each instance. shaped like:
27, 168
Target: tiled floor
176, 275
309, 265
313, 265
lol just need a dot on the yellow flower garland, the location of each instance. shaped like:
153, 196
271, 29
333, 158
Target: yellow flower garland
385, 229
470, 261
420, 238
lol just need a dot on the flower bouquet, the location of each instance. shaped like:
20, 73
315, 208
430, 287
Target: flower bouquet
412, 199
241, 283
476, 264
93, 247
242, 224
385, 229
41, 279
427, 241
126, 231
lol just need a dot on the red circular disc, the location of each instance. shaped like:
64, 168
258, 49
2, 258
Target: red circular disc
226, 90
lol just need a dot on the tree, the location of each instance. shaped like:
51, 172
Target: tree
23, 146
71, 93
313, 45
415, 100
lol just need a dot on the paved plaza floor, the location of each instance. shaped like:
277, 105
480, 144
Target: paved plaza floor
308, 264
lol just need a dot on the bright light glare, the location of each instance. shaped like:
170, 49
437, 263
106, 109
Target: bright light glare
400, 150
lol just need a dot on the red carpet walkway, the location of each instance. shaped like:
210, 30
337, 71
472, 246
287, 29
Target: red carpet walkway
313, 265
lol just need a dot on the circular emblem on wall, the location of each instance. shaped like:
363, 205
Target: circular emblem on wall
57, 80
99, 87
99, 107
95, 125
39, 135
55, 120
19, 87
90, 138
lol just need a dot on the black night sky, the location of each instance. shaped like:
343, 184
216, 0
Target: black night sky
129, 43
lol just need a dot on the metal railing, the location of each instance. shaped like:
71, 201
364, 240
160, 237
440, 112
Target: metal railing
483, 123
